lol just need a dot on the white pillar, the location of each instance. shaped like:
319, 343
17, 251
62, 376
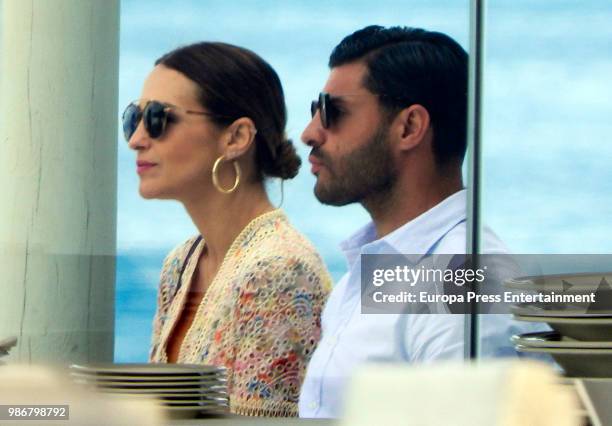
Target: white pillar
58, 168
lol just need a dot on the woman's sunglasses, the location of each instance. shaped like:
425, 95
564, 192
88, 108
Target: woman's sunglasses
154, 115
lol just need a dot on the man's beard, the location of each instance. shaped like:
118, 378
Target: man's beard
362, 174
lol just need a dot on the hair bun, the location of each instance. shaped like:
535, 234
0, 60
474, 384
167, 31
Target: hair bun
286, 161
278, 159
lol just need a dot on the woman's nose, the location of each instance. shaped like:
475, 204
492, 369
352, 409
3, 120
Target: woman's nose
140, 138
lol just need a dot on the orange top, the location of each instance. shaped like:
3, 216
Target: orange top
182, 326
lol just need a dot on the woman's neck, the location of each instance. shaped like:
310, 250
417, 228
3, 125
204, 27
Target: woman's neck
221, 217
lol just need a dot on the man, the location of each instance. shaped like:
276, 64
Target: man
389, 132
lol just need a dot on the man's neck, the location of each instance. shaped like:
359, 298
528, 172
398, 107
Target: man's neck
408, 200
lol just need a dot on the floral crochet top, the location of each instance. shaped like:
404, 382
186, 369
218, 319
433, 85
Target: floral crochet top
259, 318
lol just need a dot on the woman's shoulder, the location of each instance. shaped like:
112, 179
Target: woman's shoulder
280, 249
181, 250
171, 271
177, 257
281, 239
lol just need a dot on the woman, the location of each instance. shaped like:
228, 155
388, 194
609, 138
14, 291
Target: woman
247, 293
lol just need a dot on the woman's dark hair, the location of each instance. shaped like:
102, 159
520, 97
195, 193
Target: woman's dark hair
235, 82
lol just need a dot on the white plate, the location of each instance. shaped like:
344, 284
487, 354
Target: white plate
152, 377
551, 339
570, 312
147, 380
196, 403
147, 369
151, 385
578, 362
587, 329
581, 283
169, 397
193, 400
220, 391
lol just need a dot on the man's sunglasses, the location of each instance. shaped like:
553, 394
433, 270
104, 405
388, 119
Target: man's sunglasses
154, 115
327, 110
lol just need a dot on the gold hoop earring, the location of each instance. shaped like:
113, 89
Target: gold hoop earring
215, 178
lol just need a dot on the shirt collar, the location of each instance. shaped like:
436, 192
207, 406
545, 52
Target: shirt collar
417, 236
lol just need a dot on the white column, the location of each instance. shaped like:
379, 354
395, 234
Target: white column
58, 168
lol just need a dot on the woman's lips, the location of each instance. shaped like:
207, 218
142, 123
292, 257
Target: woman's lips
143, 166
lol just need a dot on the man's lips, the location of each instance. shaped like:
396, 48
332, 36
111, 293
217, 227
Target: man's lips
315, 164
142, 166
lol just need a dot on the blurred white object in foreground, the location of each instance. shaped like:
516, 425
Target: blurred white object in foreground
497, 393
34, 385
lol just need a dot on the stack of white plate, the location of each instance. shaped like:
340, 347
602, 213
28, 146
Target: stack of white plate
183, 390
5, 347
582, 339
577, 358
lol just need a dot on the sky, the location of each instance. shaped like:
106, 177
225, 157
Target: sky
546, 116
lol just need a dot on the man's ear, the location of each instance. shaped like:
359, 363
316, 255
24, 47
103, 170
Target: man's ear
238, 138
411, 126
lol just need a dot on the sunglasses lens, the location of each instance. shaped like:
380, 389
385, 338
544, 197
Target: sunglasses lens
314, 106
155, 118
131, 118
323, 109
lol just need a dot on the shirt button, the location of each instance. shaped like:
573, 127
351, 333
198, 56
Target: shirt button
332, 340
312, 405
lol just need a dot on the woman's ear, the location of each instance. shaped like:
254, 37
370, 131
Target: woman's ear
238, 138
411, 126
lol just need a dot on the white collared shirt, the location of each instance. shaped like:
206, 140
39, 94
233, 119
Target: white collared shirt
350, 338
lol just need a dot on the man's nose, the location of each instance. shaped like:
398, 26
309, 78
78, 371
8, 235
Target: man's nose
314, 134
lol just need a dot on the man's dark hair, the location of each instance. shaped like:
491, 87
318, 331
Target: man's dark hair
409, 66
